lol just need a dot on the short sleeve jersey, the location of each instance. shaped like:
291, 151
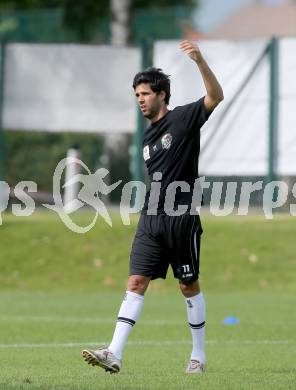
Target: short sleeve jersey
171, 146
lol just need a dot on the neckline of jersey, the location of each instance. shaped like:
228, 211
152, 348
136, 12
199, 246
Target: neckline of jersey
159, 120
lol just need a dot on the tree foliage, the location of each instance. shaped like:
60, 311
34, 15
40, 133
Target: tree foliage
29, 4
84, 16
90, 5
161, 3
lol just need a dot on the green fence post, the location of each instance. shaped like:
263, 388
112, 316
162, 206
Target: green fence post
273, 109
2, 52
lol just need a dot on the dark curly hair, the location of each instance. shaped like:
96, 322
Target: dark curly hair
157, 80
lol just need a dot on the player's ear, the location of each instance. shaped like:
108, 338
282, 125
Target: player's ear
162, 95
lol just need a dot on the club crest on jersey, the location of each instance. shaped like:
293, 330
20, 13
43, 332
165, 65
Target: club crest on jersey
146, 153
166, 141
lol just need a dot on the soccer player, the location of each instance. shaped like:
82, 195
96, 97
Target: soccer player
165, 236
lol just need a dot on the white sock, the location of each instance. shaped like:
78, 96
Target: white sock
196, 313
129, 313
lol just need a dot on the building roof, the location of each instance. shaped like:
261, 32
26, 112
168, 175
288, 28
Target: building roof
259, 21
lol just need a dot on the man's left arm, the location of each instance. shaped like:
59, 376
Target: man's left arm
214, 90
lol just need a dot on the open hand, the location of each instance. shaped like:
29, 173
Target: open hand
192, 50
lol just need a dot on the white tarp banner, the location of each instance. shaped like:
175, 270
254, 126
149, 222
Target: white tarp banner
287, 107
70, 88
236, 143
88, 88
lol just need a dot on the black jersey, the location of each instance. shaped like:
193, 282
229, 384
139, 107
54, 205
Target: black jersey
171, 146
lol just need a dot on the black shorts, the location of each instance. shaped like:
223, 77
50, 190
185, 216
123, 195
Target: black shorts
163, 240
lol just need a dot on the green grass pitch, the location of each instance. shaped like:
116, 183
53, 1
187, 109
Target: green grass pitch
60, 292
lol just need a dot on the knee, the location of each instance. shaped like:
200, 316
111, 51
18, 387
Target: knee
190, 289
138, 284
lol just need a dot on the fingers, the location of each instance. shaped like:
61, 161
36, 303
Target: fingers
189, 51
192, 50
187, 45
189, 48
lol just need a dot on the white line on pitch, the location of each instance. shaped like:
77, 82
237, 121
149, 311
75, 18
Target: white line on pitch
143, 342
85, 320
95, 320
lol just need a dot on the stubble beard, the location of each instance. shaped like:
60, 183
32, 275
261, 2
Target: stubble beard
152, 113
